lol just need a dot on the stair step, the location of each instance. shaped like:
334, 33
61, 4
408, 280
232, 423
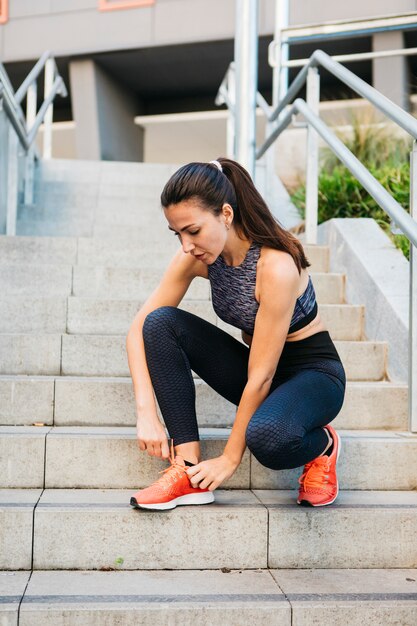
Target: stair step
101, 355
120, 282
107, 401
212, 597
104, 316
16, 515
50, 280
105, 355
104, 172
109, 458
87, 315
242, 529
103, 252
38, 250
38, 355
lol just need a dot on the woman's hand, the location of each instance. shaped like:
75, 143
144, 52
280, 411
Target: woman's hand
152, 436
211, 473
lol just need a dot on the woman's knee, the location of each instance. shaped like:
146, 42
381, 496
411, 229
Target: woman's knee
273, 441
159, 318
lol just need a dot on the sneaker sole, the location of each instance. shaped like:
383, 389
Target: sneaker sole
306, 502
191, 498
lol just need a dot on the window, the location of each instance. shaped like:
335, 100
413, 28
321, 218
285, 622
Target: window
4, 14
114, 5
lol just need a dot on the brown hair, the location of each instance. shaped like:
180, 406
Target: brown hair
252, 218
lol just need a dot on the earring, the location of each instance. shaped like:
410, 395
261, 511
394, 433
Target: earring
227, 226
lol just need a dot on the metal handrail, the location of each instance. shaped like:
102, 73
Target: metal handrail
279, 118
369, 182
26, 128
389, 108
57, 88
32, 76
352, 27
316, 127
357, 56
8, 90
13, 117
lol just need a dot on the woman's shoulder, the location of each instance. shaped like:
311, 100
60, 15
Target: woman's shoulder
279, 267
271, 260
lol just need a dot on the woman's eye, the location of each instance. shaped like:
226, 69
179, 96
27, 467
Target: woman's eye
194, 233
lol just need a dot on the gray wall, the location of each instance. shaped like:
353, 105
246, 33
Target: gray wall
71, 27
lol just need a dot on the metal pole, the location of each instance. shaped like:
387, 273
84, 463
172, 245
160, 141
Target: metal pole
280, 72
312, 168
47, 134
231, 127
31, 106
412, 351
12, 182
246, 64
279, 79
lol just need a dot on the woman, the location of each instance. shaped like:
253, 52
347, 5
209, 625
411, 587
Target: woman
287, 381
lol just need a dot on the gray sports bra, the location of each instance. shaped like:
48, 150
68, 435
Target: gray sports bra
233, 294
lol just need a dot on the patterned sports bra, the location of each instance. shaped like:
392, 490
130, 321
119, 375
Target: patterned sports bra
233, 294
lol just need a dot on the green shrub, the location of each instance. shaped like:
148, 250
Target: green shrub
341, 194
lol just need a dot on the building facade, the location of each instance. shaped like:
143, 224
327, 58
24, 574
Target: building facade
127, 58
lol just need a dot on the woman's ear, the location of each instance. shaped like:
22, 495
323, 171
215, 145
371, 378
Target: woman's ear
227, 212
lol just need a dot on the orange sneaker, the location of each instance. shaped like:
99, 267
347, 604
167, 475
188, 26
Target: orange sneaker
172, 488
318, 483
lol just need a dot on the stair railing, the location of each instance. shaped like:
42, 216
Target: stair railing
280, 117
18, 151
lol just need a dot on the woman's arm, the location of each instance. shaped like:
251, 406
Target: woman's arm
271, 328
170, 291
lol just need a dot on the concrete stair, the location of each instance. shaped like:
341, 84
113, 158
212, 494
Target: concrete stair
274, 597
86, 256
82, 457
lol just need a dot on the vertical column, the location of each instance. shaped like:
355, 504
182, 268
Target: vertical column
49, 115
31, 106
246, 64
412, 352
312, 166
390, 75
104, 114
12, 181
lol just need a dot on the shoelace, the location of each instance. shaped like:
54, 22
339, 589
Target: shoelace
173, 472
316, 474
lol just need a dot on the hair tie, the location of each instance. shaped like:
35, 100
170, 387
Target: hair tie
217, 164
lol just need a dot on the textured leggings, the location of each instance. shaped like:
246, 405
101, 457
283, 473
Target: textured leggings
286, 430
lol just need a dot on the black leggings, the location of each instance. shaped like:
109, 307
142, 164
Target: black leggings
306, 393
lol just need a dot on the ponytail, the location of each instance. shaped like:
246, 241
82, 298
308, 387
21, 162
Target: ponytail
252, 218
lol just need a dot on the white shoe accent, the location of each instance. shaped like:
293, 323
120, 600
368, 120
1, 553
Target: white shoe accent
192, 498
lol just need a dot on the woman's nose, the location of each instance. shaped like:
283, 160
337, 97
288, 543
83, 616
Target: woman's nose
187, 246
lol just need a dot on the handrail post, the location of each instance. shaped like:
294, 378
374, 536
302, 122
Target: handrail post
231, 123
412, 352
312, 159
12, 182
280, 71
31, 106
47, 134
246, 64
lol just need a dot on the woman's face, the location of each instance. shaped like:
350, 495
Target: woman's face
200, 232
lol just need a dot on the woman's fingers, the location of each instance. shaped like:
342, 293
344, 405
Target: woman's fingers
165, 449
